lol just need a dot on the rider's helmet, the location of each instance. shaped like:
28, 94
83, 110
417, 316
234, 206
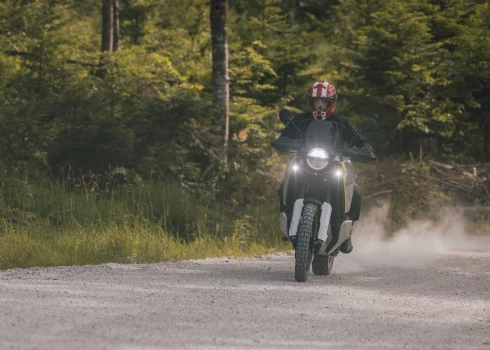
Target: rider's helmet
321, 100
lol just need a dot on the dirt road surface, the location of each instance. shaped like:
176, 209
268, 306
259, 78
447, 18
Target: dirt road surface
436, 301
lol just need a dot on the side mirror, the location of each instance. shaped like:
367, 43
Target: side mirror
285, 116
369, 125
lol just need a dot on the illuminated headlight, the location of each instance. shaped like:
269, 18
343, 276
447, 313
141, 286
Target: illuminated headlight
317, 158
295, 167
339, 173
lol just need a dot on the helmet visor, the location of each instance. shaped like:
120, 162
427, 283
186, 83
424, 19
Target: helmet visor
320, 103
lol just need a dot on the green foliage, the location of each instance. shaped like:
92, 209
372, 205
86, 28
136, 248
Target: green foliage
420, 67
417, 63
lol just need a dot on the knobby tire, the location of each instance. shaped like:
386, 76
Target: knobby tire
304, 245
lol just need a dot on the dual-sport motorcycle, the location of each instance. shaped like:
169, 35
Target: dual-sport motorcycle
322, 179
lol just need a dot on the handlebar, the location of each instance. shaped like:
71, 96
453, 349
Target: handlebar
285, 145
360, 155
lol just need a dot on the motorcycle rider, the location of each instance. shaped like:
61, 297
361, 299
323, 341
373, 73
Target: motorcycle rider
321, 100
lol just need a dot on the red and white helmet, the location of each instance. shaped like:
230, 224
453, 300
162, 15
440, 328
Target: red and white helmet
321, 100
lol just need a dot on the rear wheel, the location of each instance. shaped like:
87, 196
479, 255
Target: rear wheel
304, 245
322, 264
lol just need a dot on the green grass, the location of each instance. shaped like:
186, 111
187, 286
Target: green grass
35, 246
47, 224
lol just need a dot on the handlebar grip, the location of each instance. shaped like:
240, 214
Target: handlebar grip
286, 145
360, 155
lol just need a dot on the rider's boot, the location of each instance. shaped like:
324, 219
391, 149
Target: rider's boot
346, 247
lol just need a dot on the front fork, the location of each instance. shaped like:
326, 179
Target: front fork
321, 236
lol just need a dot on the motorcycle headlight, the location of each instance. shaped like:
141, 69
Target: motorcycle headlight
317, 158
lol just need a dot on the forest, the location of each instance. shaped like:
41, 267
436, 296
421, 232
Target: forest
114, 144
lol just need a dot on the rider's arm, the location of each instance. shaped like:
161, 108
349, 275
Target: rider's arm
290, 131
352, 136
358, 140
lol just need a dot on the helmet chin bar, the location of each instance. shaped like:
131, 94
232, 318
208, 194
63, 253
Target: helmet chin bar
320, 115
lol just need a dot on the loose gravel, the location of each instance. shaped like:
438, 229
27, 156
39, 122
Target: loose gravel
254, 303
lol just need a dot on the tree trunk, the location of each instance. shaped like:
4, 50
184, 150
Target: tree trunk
107, 25
116, 45
221, 90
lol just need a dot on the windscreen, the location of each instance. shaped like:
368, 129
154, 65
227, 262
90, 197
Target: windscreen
322, 134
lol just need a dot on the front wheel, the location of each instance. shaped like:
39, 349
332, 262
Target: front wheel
304, 245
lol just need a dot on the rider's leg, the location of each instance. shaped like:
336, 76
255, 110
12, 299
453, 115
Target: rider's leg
282, 207
291, 196
280, 193
354, 214
285, 208
355, 207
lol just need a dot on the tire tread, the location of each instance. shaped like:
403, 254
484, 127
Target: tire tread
304, 248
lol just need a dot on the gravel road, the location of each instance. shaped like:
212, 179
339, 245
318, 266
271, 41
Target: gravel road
435, 301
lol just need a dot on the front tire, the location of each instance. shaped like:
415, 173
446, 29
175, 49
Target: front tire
304, 245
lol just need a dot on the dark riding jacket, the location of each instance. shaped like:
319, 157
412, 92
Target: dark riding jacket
349, 134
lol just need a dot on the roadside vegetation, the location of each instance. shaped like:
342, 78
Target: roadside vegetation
121, 218
49, 224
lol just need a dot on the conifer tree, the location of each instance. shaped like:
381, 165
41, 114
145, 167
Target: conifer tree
221, 90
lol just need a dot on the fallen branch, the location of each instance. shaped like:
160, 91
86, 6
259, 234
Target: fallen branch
451, 167
478, 165
442, 165
378, 194
443, 183
439, 171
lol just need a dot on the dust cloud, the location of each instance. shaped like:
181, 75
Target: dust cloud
416, 245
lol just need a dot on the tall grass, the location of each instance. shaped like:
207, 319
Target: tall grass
43, 223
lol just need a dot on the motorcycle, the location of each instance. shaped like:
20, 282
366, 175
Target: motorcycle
321, 173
